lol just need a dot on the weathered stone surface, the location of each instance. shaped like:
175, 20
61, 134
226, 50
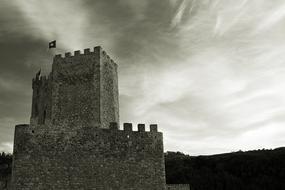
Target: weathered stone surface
5, 183
73, 140
81, 90
89, 158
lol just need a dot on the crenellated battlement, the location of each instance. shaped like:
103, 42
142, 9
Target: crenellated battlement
128, 127
114, 127
86, 51
40, 80
96, 50
89, 76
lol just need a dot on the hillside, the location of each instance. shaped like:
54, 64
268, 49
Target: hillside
252, 170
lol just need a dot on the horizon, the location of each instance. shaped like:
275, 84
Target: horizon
211, 74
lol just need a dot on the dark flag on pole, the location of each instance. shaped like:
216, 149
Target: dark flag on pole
52, 44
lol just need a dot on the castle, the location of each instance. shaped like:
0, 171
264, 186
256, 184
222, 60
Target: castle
74, 140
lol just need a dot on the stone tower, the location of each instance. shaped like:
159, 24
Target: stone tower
74, 140
81, 90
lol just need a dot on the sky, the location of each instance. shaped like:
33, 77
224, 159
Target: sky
210, 73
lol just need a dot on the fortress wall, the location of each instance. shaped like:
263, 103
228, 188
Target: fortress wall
21, 155
41, 104
90, 158
5, 183
70, 144
109, 96
76, 88
82, 89
178, 187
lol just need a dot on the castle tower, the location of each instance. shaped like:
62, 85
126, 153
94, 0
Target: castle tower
74, 140
81, 90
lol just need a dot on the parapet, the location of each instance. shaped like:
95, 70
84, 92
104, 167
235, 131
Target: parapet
141, 127
86, 51
40, 80
128, 127
153, 127
96, 50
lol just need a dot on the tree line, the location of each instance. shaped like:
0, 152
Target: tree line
251, 170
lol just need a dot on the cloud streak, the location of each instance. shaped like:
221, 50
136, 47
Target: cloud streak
61, 20
211, 73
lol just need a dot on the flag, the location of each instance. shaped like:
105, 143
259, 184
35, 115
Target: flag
52, 44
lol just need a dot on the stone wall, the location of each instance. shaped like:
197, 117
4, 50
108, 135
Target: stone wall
178, 187
41, 102
5, 183
109, 96
76, 89
88, 158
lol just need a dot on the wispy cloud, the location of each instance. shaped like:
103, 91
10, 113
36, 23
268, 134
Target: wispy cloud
220, 84
211, 73
271, 18
179, 14
61, 20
